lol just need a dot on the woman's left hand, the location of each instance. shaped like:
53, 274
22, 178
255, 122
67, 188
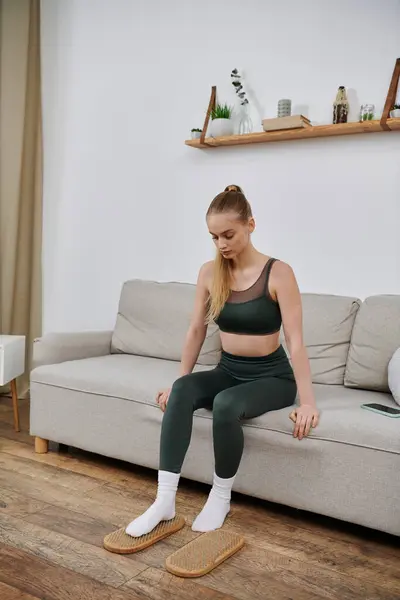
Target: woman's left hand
305, 417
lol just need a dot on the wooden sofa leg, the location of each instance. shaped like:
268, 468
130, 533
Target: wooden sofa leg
41, 445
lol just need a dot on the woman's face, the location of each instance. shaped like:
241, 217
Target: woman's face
230, 234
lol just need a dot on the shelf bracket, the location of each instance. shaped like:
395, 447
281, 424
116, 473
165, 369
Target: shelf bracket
391, 96
211, 106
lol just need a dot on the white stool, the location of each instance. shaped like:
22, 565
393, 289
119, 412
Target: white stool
12, 365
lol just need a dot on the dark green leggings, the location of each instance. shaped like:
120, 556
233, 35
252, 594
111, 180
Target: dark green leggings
231, 399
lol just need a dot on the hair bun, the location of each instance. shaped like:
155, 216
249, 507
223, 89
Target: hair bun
234, 188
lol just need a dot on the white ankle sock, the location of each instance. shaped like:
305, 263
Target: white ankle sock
217, 506
163, 509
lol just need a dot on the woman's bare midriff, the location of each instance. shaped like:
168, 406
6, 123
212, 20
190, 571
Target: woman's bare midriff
249, 345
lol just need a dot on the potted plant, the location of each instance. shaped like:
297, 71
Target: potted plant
395, 112
221, 122
196, 133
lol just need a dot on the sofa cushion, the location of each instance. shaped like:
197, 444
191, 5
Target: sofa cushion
153, 319
124, 376
375, 337
137, 379
343, 420
327, 324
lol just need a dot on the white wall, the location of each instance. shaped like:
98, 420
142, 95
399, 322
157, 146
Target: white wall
124, 81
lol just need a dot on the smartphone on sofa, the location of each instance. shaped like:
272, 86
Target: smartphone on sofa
381, 409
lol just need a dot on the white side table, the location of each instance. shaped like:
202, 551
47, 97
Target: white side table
12, 365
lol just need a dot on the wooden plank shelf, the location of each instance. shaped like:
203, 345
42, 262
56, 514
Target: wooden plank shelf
304, 133
318, 131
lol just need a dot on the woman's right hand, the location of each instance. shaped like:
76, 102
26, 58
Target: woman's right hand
162, 398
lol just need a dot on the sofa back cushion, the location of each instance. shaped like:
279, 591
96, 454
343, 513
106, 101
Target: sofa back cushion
328, 321
153, 319
376, 335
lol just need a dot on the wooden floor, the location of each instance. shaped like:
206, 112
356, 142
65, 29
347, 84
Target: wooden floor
56, 508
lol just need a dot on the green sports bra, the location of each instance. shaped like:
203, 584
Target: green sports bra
252, 311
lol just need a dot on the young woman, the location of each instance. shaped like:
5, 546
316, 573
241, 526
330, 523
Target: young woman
249, 296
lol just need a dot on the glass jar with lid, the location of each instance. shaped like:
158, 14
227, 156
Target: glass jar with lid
367, 112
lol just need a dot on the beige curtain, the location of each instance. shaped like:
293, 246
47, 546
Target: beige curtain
20, 173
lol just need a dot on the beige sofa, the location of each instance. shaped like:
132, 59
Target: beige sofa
96, 391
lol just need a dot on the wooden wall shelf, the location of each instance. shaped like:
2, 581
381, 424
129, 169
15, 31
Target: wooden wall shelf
319, 131
304, 133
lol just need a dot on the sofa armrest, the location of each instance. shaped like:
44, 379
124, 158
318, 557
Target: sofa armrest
55, 348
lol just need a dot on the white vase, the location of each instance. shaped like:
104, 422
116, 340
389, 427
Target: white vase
195, 135
395, 114
221, 127
245, 123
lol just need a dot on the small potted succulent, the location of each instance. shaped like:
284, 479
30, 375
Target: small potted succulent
221, 121
395, 112
196, 133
